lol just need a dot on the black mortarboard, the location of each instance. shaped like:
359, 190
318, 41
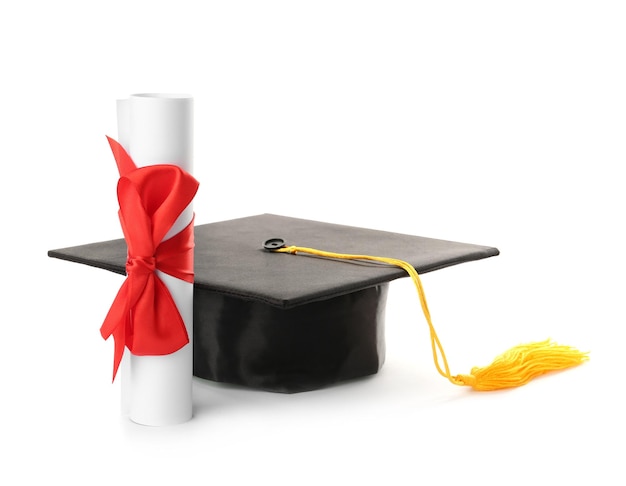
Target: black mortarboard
281, 323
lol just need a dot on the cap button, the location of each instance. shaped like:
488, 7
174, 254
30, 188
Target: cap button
274, 243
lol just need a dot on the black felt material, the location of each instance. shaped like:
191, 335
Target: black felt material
230, 259
291, 350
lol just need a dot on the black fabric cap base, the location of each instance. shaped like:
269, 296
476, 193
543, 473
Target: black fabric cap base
283, 322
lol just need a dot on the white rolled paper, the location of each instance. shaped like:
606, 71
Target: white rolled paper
158, 129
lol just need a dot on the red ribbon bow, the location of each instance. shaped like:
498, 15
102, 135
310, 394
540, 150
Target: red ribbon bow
144, 316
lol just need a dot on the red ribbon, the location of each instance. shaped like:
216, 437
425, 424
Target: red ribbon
144, 317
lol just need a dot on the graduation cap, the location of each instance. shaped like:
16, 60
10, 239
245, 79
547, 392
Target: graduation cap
314, 316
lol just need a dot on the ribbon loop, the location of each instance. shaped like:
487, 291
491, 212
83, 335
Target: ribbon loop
144, 317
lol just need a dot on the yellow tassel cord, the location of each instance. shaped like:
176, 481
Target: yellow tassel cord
516, 367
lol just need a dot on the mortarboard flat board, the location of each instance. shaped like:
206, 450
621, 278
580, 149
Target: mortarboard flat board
286, 324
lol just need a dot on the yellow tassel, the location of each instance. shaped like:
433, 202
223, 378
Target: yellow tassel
514, 368
521, 364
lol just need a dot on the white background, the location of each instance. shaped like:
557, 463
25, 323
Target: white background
489, 122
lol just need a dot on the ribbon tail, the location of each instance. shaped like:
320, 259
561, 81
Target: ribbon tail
124, 162
119, 337
116, 324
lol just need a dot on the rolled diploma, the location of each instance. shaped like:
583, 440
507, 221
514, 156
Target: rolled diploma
158, 129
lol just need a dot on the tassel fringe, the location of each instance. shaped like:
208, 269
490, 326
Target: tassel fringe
521, 364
